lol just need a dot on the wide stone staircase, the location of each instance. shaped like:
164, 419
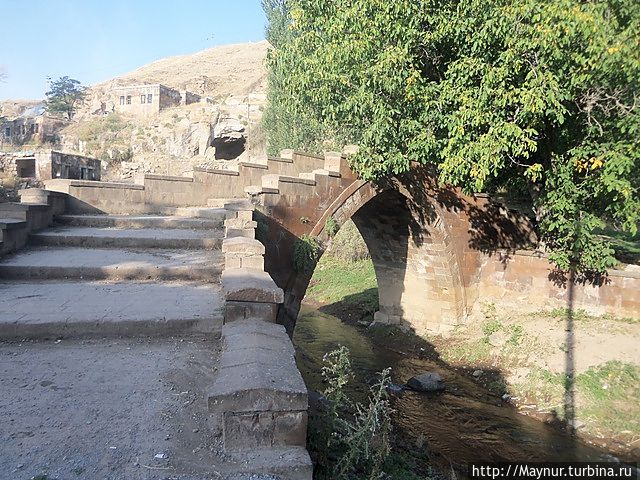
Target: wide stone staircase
116, 275
179, 271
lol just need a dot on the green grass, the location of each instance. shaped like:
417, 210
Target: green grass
611, 393
544, 388
627, 246
472, 353
607, 396
336, 281
581, 315
491, 326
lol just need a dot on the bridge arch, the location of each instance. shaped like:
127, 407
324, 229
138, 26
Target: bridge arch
417, 270
417, 265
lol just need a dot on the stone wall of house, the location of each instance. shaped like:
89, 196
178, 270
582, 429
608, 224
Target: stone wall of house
187, 98
51, 164
169, 97
144, 100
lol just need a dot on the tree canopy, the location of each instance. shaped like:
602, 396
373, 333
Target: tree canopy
64, 95
523, 96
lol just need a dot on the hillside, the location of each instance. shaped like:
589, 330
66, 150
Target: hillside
230, 79
213, 132
216, 72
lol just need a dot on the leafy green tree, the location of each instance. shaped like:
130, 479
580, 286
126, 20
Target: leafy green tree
534, 96
289, 121
64, 96
277, 27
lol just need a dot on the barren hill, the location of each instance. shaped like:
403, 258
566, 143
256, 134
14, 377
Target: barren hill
216, 72
214, 131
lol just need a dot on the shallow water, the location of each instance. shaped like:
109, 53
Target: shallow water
465, 423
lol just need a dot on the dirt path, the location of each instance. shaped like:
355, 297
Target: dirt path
108, 409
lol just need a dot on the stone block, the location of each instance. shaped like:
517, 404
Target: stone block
242, 245
252, 327
286, 153
262, 356
246, 215
280, 347
239, 223
245, 431
232, 260
235, 311
240, 232
258, 387
239, 206
250, 285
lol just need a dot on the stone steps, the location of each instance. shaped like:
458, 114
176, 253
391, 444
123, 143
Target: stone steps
283, 463
214, 213
112, 264
97, 237
48, 309
116, 275
142, 221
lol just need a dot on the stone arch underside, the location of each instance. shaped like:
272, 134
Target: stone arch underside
418, 272
417, 268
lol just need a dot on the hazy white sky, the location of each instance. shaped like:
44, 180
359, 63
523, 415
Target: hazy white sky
94, 40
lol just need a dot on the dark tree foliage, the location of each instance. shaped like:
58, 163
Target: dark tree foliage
535, 95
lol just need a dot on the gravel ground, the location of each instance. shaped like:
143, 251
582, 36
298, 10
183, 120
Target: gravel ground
108, 409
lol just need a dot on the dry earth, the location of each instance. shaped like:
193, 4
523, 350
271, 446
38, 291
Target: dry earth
111, 408
217, 72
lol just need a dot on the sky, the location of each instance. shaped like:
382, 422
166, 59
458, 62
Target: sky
95, 40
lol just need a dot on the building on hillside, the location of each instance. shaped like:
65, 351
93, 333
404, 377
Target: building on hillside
32, 125
49, 164
145, 100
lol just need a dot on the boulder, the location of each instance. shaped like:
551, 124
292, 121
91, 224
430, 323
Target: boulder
426, 382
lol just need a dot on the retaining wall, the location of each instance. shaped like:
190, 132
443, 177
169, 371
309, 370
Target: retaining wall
526, 280
35, 211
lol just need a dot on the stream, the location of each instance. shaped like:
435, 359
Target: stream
465, 423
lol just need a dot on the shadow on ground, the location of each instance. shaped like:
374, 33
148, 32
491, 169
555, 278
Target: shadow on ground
470, 421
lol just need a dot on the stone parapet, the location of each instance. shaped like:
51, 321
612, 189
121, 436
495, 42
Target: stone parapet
258, 395
259, 392
35, 212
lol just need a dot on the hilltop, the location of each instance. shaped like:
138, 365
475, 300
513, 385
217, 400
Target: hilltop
216, 72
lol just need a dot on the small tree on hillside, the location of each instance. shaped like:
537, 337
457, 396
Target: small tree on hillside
64, 95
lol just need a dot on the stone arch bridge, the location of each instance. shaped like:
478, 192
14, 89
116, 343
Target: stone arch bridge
436, 251
233, 235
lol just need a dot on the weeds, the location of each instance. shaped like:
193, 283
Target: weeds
306, 252
331, 227
516, 333
490, 327
354, 441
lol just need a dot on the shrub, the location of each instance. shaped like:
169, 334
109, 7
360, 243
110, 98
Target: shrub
348, 244
331, 227
306, 252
